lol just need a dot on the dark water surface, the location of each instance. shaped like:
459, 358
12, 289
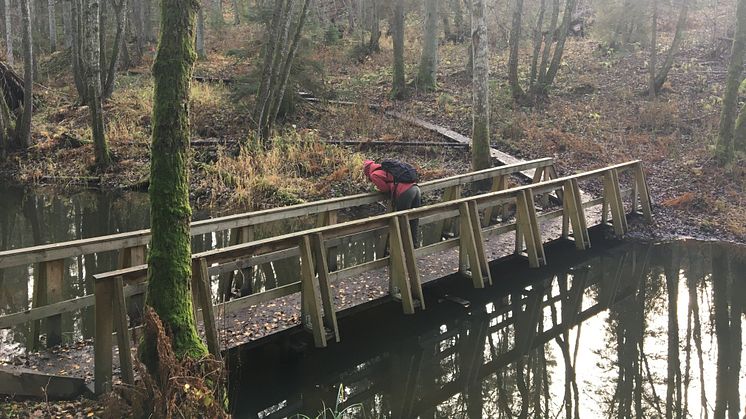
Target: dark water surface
633, 330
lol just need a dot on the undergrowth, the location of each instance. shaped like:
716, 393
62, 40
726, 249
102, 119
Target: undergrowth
298, 167
183, 388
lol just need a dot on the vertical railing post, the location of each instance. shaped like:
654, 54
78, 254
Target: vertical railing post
310, 311
527, 228
614, 200
123, 336
468, 246
54, 272
498, 184
102, 341
322, 269
410, 259
644, 193
447, 226
398, 279
200, 284
128, 257
572, 208
328, 218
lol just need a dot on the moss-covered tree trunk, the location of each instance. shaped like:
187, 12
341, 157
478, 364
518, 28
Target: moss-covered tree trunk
480, 147
398, 88
169, 260
93, 82
725, 145
426, 75
23, 125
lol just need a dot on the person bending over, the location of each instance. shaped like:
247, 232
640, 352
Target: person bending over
399, 180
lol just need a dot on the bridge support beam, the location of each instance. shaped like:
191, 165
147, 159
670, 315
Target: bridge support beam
572, 207
527, 229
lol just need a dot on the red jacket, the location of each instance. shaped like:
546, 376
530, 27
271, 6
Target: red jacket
384, 181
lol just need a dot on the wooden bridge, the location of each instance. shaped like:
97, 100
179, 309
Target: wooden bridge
470, 219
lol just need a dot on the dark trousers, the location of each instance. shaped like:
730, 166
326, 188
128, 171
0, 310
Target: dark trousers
411, 198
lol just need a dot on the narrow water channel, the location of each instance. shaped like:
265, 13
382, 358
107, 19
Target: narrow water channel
635, 330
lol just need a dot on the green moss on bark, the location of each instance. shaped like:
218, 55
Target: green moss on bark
169, 275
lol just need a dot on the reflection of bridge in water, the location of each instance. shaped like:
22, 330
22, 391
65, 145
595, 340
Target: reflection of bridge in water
449, 358
466, 223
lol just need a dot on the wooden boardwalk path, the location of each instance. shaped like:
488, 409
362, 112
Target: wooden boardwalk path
478, 226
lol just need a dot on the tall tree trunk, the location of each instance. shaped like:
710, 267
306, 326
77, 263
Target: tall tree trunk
120, 9
280, 52
375, 30
52, 25
398, 87
8, 33
559, 48
169, 259
426, 76
273, 33
447, 35
236, 13
725, 145
288, 64
217, 12
93, 79
79, 71
662, 74
67, 25
200, 37
537, 44
480, 146
515, 41
6, 131
537, 86
23, 125
653, 49
102, 24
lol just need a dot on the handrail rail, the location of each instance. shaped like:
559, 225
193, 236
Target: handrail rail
61, 250
283, 241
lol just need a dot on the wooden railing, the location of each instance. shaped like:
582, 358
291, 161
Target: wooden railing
131, 246
311, 246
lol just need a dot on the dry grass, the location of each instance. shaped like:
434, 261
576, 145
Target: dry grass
296, 168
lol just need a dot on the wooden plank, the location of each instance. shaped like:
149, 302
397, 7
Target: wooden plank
25, 382
479, 242
573, 212
102, 344
200, 281
123, 336
62, 250
398, 278
610, 198
469, 246
310, 311
327, 298
524, 230
498, 184
644, 193
410, 259
54, 274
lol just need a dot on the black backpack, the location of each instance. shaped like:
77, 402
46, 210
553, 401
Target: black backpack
400, 171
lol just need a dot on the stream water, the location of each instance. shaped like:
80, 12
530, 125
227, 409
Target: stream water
633, 330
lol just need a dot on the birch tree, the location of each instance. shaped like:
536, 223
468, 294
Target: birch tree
169, 259
398, 88
93, 83
426, 75
725, 150
23, 124
52, 25
480, 147
8, 33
